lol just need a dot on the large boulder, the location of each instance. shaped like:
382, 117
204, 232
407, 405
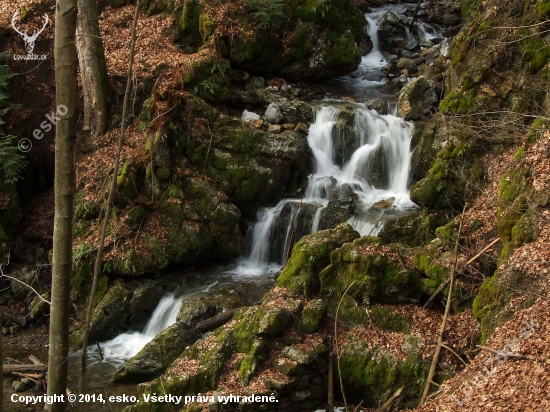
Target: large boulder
378, 273
311, 255
157, 355
392, 33
416, 99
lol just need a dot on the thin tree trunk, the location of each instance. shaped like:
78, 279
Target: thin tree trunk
445, 315
64, 188
93, 68
109, 208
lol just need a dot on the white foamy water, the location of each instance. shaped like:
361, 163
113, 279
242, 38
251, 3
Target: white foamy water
118, 350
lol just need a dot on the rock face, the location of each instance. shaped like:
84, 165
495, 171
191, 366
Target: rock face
416, 99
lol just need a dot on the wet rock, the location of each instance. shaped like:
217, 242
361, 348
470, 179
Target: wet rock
392, 34
302, 128
274, 128
207, 305
289, 126
412, 45
416, 99
381, 106
384, 204
407, 54
337, 212
157, 355
273, 114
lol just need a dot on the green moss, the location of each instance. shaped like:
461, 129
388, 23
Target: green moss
206, 27
342, 52
377, 277
416, 229
434, 273
310, 255
543, 8
536, 53
312, 316
299, 45
488, 306
372, 376
519, 154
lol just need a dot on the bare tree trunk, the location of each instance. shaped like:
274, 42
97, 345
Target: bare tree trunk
112, 196
64, 188
92, 68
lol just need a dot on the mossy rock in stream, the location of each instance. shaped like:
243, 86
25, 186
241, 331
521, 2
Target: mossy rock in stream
310, 256
157, 355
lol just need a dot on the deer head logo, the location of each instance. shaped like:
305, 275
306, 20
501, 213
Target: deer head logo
29, 40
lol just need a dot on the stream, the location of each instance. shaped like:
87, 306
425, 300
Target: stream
380, 143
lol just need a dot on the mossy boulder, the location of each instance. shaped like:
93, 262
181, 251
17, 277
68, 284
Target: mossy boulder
310, 256
389, 321
374, 375
252, 167
157, 355
433, 272
206, 357
257, 322
377, 271
452, 180
415, 229
312, 315
39, 307
107, 321
204, 227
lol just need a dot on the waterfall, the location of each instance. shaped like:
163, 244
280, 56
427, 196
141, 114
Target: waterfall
377, 170
118, 350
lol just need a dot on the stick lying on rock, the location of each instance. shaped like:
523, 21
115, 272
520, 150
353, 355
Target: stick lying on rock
8, 369
213, 323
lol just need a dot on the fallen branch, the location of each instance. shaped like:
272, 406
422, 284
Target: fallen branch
214, 322
512, 355
29, 377
338, 348
446, 314
9, 369
454, 353
392, 400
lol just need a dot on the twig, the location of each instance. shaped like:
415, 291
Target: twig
337, 347
29, 286
391, 401
445, 316
99, 349
330, 378
454, 353
442, 287
358, 406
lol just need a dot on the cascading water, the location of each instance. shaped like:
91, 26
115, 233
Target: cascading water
383, 143
124, 346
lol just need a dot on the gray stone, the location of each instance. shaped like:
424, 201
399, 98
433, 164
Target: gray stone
412, 45
416, 99
299, 356
407, 54
273, 114
450, 19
